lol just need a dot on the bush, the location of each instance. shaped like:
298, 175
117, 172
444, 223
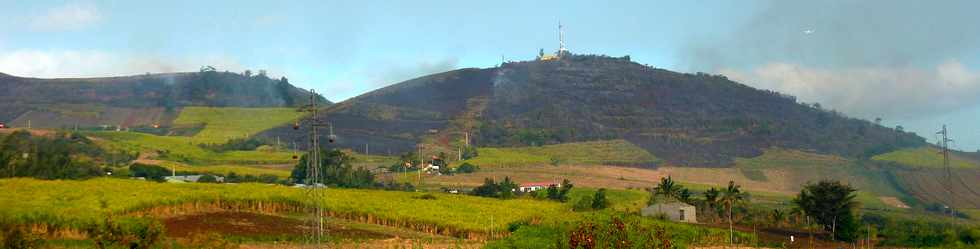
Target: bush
150, 172
18, 237
136, 233
467, 168
266, 178
583, 204
207, 179
599, 200
425, 197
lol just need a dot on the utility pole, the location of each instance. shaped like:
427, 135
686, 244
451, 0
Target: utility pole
944, 143
421, 165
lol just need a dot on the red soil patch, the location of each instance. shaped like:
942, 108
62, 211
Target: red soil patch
251, 224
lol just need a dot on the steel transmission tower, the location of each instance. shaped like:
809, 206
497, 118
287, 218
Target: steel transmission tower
314, 178
944, 143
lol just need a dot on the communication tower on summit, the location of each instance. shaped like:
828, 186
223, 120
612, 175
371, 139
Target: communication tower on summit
561, 41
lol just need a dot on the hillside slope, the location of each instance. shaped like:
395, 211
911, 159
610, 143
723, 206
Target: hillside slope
685, 119
138, 100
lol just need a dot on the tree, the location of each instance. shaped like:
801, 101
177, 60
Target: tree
282, 87
599, 200
488, 189
831, 204
731, 196
778, 217
503, 190
666, 188
335, 169
467, 168
470, 152
566, 187
711, 200
554, 193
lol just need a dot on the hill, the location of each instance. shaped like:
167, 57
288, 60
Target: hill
138, 100
684, 119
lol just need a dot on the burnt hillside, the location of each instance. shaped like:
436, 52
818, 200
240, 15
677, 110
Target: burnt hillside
686, 119
61, 98
395, 118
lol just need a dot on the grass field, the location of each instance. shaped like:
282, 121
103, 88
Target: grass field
785, 158
926, 157
183, 149
224, 123
73, 204
610, 152
282, 173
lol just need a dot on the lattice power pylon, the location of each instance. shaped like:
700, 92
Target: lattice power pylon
314, 178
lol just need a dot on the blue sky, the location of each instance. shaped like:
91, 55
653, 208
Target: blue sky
910, 62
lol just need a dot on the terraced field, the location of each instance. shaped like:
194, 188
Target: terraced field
608, 152
224, 123
927, 157
930, 186
184, 150
776, 158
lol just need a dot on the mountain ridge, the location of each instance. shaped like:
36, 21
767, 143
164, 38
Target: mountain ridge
150, 98
687, 119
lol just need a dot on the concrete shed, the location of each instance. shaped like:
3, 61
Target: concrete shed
675, 211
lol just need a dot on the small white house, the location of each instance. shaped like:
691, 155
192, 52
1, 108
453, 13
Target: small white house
535, 186
675, 211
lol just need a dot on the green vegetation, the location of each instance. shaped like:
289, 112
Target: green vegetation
76, 204
65, 156
335, 169
226, 169
224, 123
184, 150
926, 157
611, 152
832, 205
616, 230
503, 190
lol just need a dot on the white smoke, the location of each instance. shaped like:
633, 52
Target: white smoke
868, 92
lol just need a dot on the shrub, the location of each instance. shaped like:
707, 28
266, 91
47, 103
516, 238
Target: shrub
18, 237
599, 200
467, 168
150, 172
583, 204
207, 179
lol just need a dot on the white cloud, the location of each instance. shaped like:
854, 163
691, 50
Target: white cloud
868, 92
67, 17
97, 63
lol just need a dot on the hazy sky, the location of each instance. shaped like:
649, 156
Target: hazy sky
912, 63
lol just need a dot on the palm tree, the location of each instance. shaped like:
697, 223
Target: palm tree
731, 196
711, 200
667, 188
778, 216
